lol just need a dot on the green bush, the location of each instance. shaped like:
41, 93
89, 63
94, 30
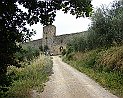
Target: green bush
105, 31
99, 65
28, 78
27, 54
70, 56
63, 52
111, 59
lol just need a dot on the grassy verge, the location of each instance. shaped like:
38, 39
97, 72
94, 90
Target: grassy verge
31, 77
91, 63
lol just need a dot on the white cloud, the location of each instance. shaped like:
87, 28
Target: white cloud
98, 3
39, 31
66, 23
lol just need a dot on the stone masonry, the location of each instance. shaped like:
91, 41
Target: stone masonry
55, 44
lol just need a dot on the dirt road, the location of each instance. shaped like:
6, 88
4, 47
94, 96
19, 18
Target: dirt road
67, 82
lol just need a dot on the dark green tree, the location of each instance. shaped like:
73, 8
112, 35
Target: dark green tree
106, 29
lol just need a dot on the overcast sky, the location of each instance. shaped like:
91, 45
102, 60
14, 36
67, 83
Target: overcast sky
66, 23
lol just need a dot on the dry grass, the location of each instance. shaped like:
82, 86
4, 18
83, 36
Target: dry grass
105, 66
31, 77
112, 58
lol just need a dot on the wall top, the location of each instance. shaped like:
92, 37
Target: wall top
49, 26
49, 31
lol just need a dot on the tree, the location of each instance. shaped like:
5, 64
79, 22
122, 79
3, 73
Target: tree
13, 21
27, 54
107, 25
77, 43
105, 31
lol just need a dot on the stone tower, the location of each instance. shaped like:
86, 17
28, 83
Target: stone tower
55, 44
49, 33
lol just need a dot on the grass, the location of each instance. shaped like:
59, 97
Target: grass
98, 65
28, 78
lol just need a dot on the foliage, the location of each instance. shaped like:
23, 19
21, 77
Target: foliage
64, 52
13, 21
99, 54
77, 43
31, 77
103, 65
27, 54
106, 24
105, 31
69, 50
111, 59
70, 56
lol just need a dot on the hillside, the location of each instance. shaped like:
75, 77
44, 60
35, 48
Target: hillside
103, 65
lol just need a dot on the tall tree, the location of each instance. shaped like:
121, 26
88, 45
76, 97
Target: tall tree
13, 21
107, 25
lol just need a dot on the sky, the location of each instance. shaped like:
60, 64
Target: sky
66, 23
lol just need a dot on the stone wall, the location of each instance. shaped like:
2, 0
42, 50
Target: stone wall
53, 42
62, 40
34, 43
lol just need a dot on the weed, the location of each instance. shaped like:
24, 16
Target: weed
31, 77
103, 65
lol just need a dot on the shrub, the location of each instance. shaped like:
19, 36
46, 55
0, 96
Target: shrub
99, 65
31, 77
27, 54
112, 59
70, 56
63, 52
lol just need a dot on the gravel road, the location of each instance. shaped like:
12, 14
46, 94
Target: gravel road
67, 82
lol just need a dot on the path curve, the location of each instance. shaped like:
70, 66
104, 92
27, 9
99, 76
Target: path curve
67, 82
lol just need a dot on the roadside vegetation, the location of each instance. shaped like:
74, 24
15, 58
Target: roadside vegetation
29, 78
104, 66
99, 53
33, 73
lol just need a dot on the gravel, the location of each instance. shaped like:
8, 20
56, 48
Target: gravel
67, 82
